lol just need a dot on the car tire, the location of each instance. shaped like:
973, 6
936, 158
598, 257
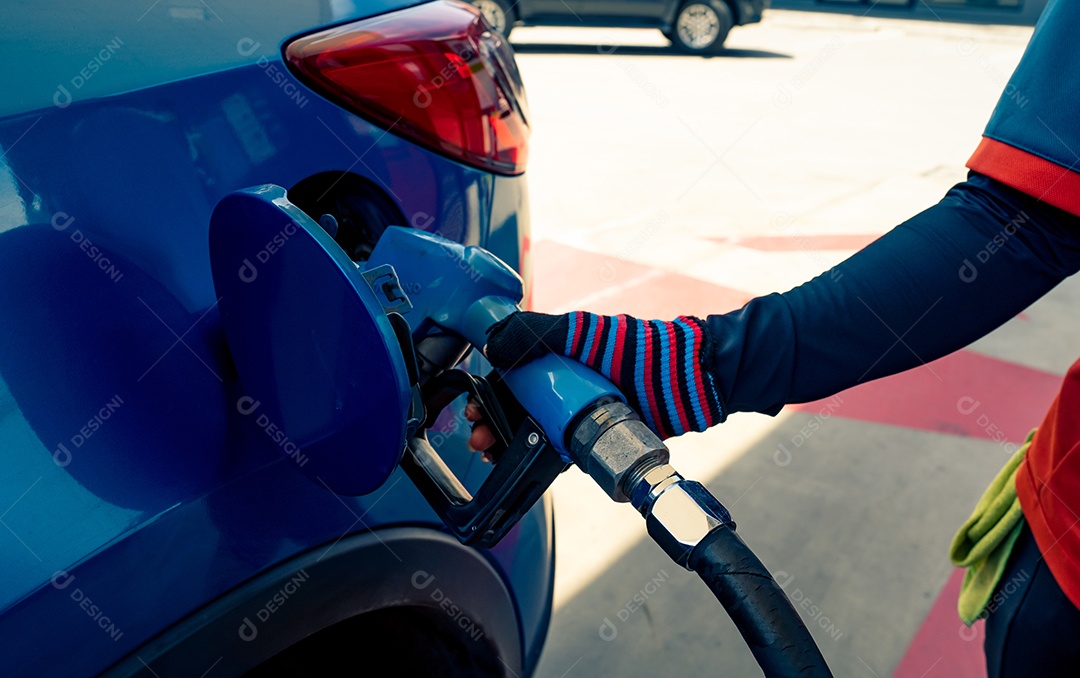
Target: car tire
701, 26
497, 13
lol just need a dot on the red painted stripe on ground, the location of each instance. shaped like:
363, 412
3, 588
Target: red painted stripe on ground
565, 274
943, 647
795, 242
976, 396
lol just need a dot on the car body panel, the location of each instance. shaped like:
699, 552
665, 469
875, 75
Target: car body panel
121, 48
554, 11
623, 13
646, 11
135, 492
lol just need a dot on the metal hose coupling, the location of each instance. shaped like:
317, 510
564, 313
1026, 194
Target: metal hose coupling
678, 513
629, 462
611, 444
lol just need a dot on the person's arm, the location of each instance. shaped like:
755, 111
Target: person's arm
932, 285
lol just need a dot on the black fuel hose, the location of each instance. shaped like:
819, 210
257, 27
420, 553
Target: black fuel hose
762, 612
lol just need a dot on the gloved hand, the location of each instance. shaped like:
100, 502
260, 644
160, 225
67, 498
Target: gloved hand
663, 368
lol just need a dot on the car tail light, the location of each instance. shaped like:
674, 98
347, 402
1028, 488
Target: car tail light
434, 73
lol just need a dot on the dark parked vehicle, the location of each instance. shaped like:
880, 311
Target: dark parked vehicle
695, 26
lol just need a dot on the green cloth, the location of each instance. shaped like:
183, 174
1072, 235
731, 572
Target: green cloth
985, 541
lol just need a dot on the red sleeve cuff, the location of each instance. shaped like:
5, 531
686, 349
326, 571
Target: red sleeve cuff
1041, 179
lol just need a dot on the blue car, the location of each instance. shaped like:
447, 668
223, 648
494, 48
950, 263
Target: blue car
155, 521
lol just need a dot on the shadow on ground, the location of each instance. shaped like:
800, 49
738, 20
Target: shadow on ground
856, 522
1025, 15
640, 50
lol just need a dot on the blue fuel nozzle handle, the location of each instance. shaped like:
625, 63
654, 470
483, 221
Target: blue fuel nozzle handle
455, 294
553, 389
465, 290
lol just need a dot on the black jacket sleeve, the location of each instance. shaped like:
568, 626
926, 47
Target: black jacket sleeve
930, 286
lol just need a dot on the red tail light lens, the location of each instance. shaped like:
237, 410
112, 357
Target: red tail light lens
434, 73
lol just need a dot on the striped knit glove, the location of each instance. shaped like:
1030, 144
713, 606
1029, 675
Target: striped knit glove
663, 368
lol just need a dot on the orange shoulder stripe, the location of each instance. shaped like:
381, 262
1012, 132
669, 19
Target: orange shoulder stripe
1044, 180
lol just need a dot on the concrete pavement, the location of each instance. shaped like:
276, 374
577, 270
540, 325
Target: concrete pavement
666, 184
